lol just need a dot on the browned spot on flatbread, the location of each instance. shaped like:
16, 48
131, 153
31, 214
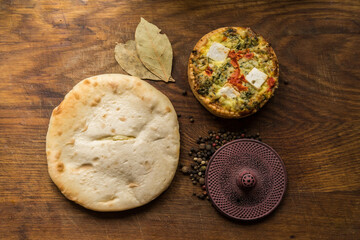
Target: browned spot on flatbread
168, 109
71, 142
109, 200
147, 165
104, 116
95, 84
76, 95
57, 155
113, 130
117, 109
57, 110
61, 187
85, 128
87, 82
85, 166
132, 185
123, 119
96, 101
114, 86
60, 167
138, 84
59, 133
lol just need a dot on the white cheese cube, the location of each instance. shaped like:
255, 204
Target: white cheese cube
228, 91
218, 52
256, 77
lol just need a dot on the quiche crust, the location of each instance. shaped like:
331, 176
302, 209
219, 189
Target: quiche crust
216, 107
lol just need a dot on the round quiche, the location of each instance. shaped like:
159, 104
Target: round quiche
233, 72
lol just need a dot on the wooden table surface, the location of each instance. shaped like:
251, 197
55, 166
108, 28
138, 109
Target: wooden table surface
313, 122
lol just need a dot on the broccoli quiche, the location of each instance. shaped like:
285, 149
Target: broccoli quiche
233, 72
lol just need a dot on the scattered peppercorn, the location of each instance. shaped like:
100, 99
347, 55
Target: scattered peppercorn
179, 115
185, 169
203, 168
206, 148
184, 93
201, 196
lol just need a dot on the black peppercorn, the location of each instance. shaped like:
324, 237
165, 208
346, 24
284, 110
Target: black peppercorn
207, 147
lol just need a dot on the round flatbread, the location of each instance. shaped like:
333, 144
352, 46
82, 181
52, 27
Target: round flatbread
113, 143
233, 72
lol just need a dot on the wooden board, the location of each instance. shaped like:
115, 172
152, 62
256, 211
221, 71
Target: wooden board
313, 122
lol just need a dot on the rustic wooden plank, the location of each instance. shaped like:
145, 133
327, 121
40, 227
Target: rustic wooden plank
313, 121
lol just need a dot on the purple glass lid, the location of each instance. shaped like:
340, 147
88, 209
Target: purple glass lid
245, 179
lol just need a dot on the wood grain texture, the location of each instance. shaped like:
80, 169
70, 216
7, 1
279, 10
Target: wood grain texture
313, 122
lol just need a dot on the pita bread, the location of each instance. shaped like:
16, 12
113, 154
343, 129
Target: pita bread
113, 143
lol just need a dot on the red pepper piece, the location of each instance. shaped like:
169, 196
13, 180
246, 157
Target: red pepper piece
235, 74
232, 54
239, 55
234, 79
249, 55
208, 71
242, 78
235, 63
235, 56
237, 81
271, 83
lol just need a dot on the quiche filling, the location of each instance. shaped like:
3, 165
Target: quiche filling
235, 69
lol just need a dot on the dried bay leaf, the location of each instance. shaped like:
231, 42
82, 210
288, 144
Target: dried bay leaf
154, 49
126, 56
